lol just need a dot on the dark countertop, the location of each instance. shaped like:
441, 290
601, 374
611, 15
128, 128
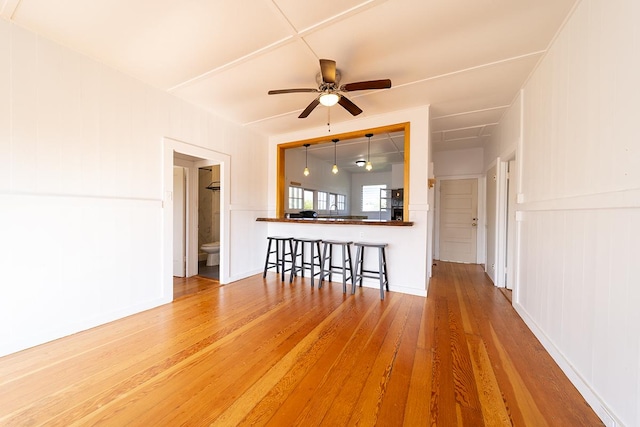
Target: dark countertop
339, 221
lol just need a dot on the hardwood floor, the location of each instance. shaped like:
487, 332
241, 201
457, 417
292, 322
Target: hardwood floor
266, 353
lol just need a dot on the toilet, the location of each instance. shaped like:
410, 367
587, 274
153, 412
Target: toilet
213, 253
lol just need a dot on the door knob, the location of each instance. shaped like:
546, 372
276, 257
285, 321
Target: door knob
474, 224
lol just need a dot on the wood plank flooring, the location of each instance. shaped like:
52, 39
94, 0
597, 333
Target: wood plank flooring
259, 352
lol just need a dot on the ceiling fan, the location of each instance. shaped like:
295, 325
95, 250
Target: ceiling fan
331, 92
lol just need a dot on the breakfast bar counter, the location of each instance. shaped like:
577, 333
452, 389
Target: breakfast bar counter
339, 221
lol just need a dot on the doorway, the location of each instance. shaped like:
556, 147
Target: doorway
458, 230
209, 221
191, 158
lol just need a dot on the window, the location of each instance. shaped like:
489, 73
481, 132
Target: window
332, 201
322, 201
371, 198
308, 200
295, 198
342, 201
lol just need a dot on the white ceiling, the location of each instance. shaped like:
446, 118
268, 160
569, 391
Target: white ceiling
467, 59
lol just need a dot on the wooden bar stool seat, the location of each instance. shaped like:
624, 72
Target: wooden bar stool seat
328, 268
380, 274
282, 244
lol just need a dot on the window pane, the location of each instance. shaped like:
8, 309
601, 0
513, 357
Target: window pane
295, 198
341, 202
322, 201
332, 201
371, 198
308, 200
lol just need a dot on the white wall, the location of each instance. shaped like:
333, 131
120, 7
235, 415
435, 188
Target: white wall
82, 190
579, 229
410, 247
458, 162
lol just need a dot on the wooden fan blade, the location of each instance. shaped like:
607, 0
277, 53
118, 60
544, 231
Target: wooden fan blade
328, 69
371, 84
279, 91
349, 106
309, 108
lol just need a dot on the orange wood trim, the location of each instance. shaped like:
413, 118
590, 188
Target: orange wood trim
280, 162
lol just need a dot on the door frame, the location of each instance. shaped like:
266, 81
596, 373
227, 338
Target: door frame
481, 235
197, 157
501, 226
181, 268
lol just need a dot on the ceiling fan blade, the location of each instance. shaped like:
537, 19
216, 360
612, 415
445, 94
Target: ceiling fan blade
328, 69
279, 91
349, 106
371, 84
309, 108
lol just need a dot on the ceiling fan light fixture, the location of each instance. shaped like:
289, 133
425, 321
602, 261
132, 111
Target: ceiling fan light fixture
360, 163
329, 99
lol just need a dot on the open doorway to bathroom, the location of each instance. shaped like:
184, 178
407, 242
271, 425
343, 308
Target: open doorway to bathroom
209, 221
191, 158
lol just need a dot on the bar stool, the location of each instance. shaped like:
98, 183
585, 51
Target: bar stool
314, 258
345, 269
380, 274
280, 250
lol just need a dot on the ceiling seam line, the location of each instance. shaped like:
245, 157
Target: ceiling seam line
470, 112
240, 60
477, 67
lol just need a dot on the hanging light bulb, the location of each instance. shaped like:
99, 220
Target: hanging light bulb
306, 156
329, 99
334, 169
368, 167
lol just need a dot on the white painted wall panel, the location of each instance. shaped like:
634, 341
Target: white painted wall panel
23, 103
5, 106
458, 162
506, 135
82, 189
579, 290
580, 229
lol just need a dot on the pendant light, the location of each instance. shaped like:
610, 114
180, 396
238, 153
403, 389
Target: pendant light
334, 169
369, 166
306, 156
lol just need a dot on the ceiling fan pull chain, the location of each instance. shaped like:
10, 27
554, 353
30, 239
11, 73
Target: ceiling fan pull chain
329, 118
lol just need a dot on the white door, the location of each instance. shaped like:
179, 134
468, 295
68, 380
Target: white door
511, 225
178, 222
458, 220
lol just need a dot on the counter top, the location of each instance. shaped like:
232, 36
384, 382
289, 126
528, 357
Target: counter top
339, 221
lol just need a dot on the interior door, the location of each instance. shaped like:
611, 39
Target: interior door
179, 225
459, 220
